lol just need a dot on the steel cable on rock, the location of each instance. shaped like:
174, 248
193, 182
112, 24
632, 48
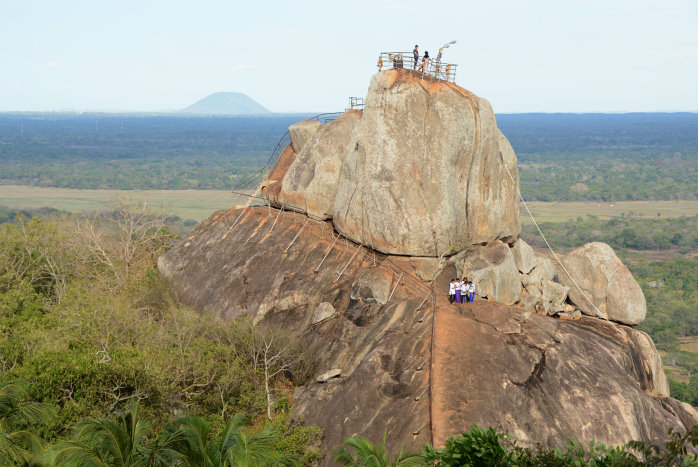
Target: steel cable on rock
516, 185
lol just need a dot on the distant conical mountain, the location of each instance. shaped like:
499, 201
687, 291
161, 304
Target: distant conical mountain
226, 103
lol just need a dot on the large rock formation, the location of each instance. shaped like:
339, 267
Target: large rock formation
424, 171
426, 175
541, 378
422, 175
608, 289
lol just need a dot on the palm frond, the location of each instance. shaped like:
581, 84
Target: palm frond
13, 451
193, 442
232, 432
76, 453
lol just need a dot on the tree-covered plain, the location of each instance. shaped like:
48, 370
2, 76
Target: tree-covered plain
608, 157
111, 151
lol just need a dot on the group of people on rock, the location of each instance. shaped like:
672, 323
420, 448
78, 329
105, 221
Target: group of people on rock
461, 291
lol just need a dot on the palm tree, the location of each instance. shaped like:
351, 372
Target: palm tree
357, 452
18, 446
235, 448
117, 443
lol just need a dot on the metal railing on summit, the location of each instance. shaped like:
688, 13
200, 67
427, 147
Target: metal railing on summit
432, 67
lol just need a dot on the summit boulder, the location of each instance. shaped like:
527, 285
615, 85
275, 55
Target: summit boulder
426, 172
422, 171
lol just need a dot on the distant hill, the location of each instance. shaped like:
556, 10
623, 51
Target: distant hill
226, 103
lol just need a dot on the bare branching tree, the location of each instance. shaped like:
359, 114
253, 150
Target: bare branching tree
118, 241
273, 353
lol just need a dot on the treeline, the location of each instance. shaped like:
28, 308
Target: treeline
626, 231
111, 151
609, 179
647, 136
87, 323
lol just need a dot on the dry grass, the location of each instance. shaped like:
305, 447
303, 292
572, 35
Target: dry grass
560, 212
188, 204
199, 204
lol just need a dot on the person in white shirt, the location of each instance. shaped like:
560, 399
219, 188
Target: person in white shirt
452, 291
464, 291
457, 285
471, 289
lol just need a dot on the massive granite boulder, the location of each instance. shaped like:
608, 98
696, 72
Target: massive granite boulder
423, 171
493, 271
426, 174
541, 378
605, 281
301, 132
524, 256
310, 182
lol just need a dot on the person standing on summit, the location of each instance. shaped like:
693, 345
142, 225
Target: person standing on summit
415, 52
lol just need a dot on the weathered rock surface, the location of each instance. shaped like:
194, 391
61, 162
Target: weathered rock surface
301, 132
271, 186
426, 268
544, 379
494, 272
524, 256
310, 183
328, 375
372, 285
541, 378
425, 174
322, 312
554, 296
606, 281
543, 271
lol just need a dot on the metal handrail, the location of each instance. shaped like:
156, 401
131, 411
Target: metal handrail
356, 103
432, 67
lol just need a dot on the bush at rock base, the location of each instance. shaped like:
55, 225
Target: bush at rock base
489, 447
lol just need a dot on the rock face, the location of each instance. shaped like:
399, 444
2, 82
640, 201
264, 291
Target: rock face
540, 292
423, 171
372, 285
541, 378
524, 256
544, 379
301, 132
425, 176
494, 273
606, 281
310, 183
324, 311
426, 172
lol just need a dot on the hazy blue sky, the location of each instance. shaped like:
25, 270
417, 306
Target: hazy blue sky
524, 56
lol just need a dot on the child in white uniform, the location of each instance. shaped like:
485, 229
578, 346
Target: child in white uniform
452, 291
